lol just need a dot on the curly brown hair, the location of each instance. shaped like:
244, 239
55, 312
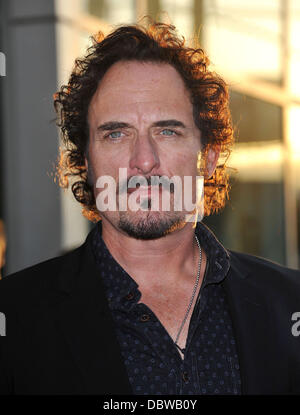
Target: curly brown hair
158, 43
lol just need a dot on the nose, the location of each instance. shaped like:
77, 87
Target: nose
144, 157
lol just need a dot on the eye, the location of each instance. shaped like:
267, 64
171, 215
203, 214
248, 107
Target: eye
168, 132
114, 135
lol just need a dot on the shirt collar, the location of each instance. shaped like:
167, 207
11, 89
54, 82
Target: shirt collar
121, 289
217, 255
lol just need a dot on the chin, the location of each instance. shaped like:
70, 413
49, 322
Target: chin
150, 225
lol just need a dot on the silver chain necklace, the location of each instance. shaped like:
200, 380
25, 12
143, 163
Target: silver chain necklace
192, 297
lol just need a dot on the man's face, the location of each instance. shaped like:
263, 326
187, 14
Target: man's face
141, 119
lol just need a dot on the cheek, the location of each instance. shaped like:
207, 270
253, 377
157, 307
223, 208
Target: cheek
104, 162
181, 163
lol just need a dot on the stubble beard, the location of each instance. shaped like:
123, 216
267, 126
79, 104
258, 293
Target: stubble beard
150, 225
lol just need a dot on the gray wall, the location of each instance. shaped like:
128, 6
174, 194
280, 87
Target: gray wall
30, 199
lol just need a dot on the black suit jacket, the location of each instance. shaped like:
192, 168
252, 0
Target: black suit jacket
60, 336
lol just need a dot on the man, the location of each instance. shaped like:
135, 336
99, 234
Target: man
149, 304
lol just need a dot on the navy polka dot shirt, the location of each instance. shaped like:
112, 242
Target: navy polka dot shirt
153, 363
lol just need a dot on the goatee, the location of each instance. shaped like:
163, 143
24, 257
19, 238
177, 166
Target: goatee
151, 226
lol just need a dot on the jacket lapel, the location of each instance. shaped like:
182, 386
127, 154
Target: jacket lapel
85, 322
261, 363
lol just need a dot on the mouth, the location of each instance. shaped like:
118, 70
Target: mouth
145, 191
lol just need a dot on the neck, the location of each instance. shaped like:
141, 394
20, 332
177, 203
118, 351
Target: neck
173, 257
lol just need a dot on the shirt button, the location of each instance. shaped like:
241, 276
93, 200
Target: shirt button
145, 317
129, 296
185, 377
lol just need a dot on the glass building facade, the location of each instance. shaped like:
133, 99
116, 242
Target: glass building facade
254, 45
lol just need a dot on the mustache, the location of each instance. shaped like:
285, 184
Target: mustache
135, 181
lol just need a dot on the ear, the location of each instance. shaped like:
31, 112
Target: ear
212, 157
86, 163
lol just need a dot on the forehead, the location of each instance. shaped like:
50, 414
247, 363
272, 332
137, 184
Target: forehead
140, 74
139, 86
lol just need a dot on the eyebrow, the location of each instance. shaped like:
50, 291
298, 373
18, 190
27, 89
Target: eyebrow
169, 123
114, 125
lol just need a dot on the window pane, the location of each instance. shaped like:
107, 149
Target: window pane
254, 119
244, 37
295, 47
295, 149
180, 13
113, 11
253, 220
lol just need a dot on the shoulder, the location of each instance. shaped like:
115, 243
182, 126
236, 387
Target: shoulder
36, 284
265, 273
258, 263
